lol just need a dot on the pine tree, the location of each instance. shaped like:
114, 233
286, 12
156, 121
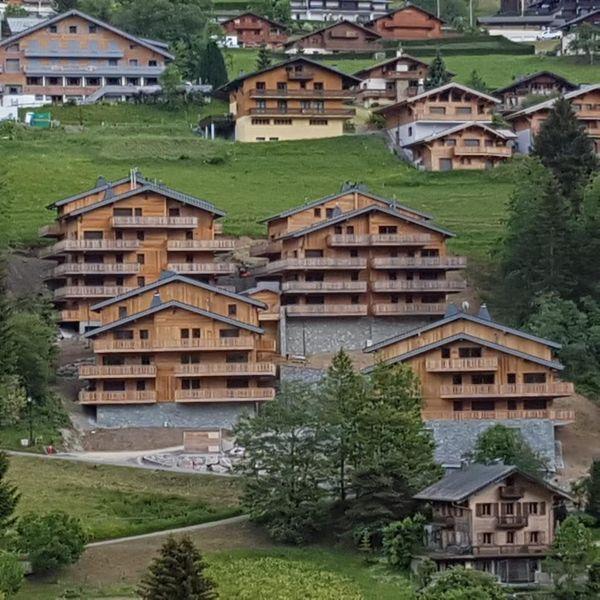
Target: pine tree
593, 490
476, 82
263, 59
438, 75
9, 496
177, 574
213, 69
7, 343
564, 147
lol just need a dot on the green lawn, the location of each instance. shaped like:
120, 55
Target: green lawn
119, 501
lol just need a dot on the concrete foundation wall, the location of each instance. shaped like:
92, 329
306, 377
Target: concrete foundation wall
455, 440
172, 415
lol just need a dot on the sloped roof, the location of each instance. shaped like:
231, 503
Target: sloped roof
391, 60
20, 24
547, 104
77, 13
171, 277
526, 78
234, 83
455, 316
101, 185
352, 190
361, 211
459, 484
253, 14
406, 7
173, 304
503, 133
331, 26
581, 18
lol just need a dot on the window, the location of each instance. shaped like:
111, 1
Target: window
113, 62
232, 310
318, 85
508, 508
534, 537
273, 139
350, 230
468, 352
484, 509
282, 121
471, 142
437, 110
445, 352
184, 334
196, 333
141, 281
13, 65
313, 253
487, 538
152, 63
92, 28
534, 377
174, 212
143, 334
124, 334
337, 229
483, 405
229, 333
282, 86
511, 378
133, 62
388, 229
122, 312
140, 385
510, 537
52, 29
456, 379
256, 121
317, 212
140, 235
13, 48
329, 212
140, 259
260, 85
450, 142
317, 122
146, 360
72, 28
464, 110
482, 379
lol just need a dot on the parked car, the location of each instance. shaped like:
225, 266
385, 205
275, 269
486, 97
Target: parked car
550, 34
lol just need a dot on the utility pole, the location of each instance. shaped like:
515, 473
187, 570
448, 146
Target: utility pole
30, 407
471, 13
438, 8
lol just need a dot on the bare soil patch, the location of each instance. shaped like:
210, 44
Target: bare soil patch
142, 438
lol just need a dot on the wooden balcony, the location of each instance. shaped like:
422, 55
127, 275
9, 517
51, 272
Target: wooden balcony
275, 111
511, 521
207, 268
446, 521
379, 239
566, 416
303, 93
419, 285
269, 315
116, 371
503, 390
225, 395
51, 230
511, 549
403, 309
500, 151
69, 316
127, 397
309, 287
319, 264
65, 246
303, 75
326, 310
511, 492
200, 245
449, 365
265, 248
225, 369
90, 291
246, 342
85, 268
154, 222
419, 262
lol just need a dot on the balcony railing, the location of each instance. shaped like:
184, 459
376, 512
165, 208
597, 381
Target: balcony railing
511, 521
69, 316
116, 371
126, 397
265, 247
461, 364
191, 245
303, 75
511, 549
309, 112
202, 268
561, 388
144, 222
419, 262
511, 492
499, 415
418, 285
392, 309
86, 245
225, 369
502, 151
90, 291
102, 268
246, 342
52, 230
225, 395
269, 315
291, 93
306, 287
326, 310
321, 263
379, 239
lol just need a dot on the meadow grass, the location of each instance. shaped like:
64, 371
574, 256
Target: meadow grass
120, 501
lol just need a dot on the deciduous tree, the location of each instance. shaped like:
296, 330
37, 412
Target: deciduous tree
586, 41
402, 539
459, 583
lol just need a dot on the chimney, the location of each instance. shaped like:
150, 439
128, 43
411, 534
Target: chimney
101, 182
156, 300
484, 313
399, 51
133, 178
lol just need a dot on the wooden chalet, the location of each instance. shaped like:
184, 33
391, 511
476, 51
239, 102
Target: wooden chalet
72, 55
296, 99
542, 83
341, 36
472, 368
392, 80
355, 254
336, 10
121, 235
251, 30
494, 518
585, 102
179, 341
408, 23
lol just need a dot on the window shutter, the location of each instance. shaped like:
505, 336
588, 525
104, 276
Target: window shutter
478, 510
495, 510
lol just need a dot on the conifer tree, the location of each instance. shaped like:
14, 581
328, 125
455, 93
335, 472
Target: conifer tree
177, 574
213, 69
563, 146
593, 490
9, 496
476, 82
438, 75
263, 59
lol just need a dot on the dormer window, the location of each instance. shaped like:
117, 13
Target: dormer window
72, 28
260, 85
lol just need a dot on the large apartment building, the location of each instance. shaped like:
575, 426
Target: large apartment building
178, 352
408, 23
335, 10
72, 55
353, 266
585, 102
449, 127
475, 372
296, 99
121, 235
494, 518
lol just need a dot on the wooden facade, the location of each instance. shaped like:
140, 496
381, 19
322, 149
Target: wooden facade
72, 55
408, 23
296, 99
178, 340
252, 30
342, 36
493, 518
354, 254
539, 84
473, 368
121, 235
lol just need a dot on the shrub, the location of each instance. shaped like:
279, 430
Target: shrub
401, 539
463, 584
51, 541
11, 573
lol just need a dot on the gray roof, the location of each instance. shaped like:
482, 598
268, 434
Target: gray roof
19, 24
506, 134
355, 189
581, 18
391, 60
169, 277
552, 364
77, 13
157, 307
330, 26
517, 20
454, 317
361, 211
101, 185
459, 484
264, 286
525, 78
38, 70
